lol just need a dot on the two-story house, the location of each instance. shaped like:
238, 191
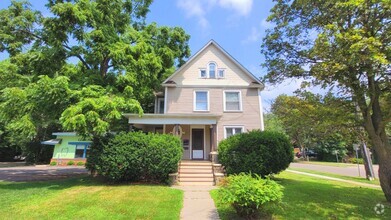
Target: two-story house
209, 98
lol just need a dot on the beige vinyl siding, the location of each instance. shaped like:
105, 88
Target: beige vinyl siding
190, 75
180, 100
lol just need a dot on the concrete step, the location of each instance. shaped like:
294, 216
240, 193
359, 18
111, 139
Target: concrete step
196, 167
196, 179
190, 171
197, 175
196, 164
196, 183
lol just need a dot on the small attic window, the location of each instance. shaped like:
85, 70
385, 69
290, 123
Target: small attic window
221, 73
203, 73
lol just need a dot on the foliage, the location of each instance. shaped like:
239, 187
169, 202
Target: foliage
248, 194
79, 67
256, 152
71, 163
312, 120
329, 149
273, 123
347, 47
356, 160
53, 163
135, 156
80, 163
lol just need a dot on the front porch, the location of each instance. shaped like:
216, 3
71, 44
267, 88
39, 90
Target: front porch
196, 131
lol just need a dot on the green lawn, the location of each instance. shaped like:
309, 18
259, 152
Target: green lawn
84, 198
357, 179
307, 197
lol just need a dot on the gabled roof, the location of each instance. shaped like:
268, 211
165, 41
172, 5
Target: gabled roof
241, 67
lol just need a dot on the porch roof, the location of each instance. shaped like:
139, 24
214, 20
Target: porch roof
156, 119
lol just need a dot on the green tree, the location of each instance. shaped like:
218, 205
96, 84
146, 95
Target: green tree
102, 54
345, 44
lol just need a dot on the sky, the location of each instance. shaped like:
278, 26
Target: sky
237, 25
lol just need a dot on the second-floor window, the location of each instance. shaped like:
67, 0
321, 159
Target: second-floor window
201, 101
232, 101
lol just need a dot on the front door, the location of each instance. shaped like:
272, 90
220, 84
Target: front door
197, 142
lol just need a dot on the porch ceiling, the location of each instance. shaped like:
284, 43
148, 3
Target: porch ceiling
195, 119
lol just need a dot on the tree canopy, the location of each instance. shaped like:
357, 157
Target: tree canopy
343, 44
79, 67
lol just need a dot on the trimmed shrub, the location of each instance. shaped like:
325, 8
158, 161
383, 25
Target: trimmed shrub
354, 160
249, 195
71, 163
257, 152
135, 156
80, 163
53, 163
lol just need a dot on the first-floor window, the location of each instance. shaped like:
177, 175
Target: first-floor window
82, 151
229, 131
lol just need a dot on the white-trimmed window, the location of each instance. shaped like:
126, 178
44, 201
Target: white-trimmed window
232, 100
221, 73
201, 101
212, 70
232, 130
203, 73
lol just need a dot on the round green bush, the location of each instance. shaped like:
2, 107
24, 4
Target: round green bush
71, 163
135, 156
249, 195
257, 152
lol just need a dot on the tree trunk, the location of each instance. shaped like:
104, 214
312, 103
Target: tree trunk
382, 148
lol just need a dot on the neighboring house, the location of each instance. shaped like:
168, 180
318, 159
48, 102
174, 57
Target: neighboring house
211, 97
68, 146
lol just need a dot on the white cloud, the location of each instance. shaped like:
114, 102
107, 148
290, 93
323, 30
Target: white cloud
200, 8
242, 7
194, 8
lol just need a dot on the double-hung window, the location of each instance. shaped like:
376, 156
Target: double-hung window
232, 130
201, 101
232, 101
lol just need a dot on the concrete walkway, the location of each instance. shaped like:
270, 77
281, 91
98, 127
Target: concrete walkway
335, 179
198, 204
345, 171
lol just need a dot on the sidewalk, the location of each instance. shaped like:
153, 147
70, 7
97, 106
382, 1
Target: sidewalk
198, 204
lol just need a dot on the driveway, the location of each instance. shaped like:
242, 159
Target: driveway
345, 171
39, 173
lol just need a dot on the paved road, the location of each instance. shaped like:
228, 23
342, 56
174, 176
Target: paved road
346, 171
39, 173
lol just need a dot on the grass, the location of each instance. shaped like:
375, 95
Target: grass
307, 197
85, 198
351, 178
334, 164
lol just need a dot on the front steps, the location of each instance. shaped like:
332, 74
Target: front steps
195, 173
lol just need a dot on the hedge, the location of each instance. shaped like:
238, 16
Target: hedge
135, 156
